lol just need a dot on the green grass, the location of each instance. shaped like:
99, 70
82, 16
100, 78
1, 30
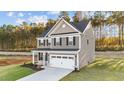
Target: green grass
14, 72
101, 69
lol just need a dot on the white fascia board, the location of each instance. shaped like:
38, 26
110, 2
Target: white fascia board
65, 35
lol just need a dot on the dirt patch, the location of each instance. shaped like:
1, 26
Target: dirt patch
14, 60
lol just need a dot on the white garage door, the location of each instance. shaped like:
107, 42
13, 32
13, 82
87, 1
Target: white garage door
62, 61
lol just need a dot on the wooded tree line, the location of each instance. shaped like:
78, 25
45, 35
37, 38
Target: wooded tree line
108, 19
23, 37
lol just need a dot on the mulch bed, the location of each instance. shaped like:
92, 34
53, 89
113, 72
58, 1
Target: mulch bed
14, 60
30, 65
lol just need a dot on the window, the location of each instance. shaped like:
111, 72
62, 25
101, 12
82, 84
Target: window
53, 56
60, 41
64, 57
66, 40
41, 42
70, 40
87, 41
63, 26
54, 41
71, 58
74, 41
58, 56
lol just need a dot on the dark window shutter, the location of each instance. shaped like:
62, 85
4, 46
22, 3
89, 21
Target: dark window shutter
47, 42
74, 41
66, 40
54, 41
44, 42
39, 56
87, 41
60, 41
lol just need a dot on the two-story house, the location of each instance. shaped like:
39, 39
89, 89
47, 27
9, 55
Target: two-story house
66, 45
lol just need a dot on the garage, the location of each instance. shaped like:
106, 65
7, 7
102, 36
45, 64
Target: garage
62, 61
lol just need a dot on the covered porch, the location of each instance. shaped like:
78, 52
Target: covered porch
39, 58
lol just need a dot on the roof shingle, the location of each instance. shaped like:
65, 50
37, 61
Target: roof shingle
78, 25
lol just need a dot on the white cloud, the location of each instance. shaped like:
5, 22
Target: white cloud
38, 19
53, 12
20, 21
20, 14
10, 14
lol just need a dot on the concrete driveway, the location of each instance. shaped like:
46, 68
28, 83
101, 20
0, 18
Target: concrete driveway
48, 74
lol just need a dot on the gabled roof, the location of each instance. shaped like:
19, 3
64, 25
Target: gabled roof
46, 31
78, 25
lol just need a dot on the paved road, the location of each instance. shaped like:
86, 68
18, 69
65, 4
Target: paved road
107, 54
48, 74
110, 54
16, 53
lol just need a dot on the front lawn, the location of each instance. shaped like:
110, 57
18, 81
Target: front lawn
101, 69
12, 68
14, 72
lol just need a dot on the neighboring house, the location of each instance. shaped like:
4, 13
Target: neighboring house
66, 45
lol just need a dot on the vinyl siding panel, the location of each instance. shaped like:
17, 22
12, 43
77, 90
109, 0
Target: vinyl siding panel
64, 46
59, 28
87, 53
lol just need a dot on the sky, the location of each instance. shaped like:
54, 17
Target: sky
17, 17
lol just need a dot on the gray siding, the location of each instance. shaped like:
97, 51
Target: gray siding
87, 53
59, 29
64, 46
42, 46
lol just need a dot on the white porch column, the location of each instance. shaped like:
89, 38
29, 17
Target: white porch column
43, 58
33, 57
78, 61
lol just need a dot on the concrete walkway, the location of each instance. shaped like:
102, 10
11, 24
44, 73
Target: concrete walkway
48, 74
